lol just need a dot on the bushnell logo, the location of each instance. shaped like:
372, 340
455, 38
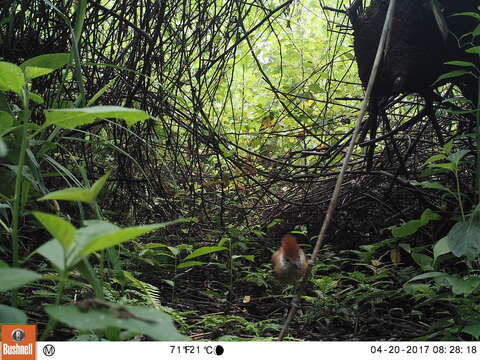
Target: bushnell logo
18, 335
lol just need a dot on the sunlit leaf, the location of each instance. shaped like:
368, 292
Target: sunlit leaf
44, 64
11, 77
59, 228
72, 118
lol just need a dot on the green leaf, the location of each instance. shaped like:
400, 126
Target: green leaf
203, 251
457, 156
473, 328
13, 278
476, 32
11, 77
117, 237
3, 148
59, 228
188, 264
424, 261
44, 64
411, 227
434, 158
430, 185
99, 184
407, 229
452, 74
440, 248
428, 215
463, 286
11, 315
468, 13
71, 194
151, 322
72, 118
447, 148
473, 50
54, 252
37, 99
79, 194
110, 239
464, 239
429, 275
447, 166
460, 63
6, 121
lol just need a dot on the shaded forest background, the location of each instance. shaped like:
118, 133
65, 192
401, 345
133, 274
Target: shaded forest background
240, 116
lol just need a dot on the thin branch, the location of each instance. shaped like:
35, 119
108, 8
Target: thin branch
333, 202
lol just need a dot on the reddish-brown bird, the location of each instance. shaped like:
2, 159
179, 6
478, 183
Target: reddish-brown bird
289, 261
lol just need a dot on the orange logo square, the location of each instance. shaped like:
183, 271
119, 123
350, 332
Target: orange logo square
18, 341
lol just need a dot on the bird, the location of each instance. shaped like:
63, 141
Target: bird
289, 262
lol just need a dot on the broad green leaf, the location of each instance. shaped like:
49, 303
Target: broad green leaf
151, 322
424, 261
447, 148
72, 118
71, 194
3, 148
37, 99
476, 32
461, 63
79, 194
430, 185
6, 121
53, 251
457, 156
188, 264
11, 315
441, 248
447, 166
203, 251
407, 229
12, 278
59, 228
463, 286
452, 74
473, 328
434, 158
464, 239
11, 77
99, 184
428, 215
429, 275
473, 50
174, 250
117, 237
411, 227
44, 64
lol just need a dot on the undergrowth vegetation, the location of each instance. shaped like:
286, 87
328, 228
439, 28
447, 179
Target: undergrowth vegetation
152, 154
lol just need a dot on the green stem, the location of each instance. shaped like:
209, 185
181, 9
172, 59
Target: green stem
17, 204
88, 272
76, 35
51, 321
459, 195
